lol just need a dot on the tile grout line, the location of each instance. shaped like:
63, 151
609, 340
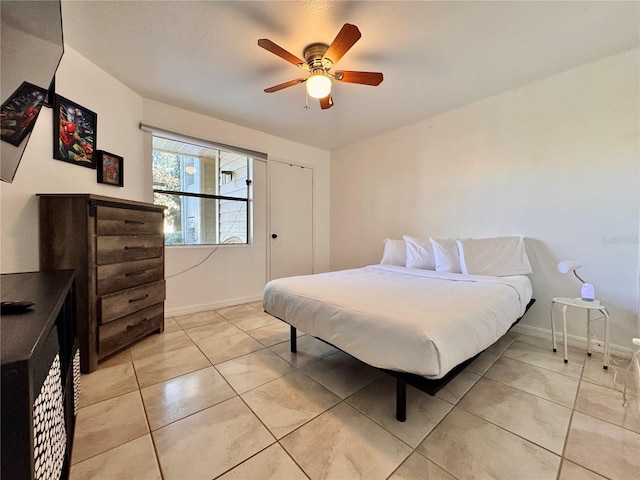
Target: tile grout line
276, 440
413, 450
453, 406
563, 458
456, 405
146, 416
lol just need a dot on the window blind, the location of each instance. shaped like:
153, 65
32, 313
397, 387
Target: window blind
207, 143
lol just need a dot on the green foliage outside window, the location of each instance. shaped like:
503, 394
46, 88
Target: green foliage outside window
166, 176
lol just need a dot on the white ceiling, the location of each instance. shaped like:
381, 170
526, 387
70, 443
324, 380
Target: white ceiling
435, 56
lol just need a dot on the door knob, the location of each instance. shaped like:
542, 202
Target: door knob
274, 235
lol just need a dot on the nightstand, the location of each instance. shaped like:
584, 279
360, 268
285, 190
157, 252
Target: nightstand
589, 306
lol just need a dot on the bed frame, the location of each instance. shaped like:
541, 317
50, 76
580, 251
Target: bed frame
403, 378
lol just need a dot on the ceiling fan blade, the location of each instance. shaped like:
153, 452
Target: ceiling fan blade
326, 102
363, 78
281, 52
291, 83
346, 38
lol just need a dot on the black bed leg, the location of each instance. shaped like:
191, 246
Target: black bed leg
294, 340
401, 399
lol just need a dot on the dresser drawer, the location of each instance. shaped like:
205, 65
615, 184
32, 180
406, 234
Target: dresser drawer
119, 276
126, 221
124, 248
120, 333
123, 303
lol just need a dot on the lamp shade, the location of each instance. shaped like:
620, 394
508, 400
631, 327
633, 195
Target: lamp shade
567, 266
318, 85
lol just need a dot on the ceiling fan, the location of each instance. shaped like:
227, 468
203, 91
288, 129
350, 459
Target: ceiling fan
318, 60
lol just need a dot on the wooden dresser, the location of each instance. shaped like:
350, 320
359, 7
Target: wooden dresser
117, 249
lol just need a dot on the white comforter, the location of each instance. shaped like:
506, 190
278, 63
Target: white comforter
399, 318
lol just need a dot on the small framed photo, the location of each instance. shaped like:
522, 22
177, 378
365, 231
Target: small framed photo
20, 111
74, 133
110, 168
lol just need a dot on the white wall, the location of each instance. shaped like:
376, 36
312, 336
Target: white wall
118, 109
232, 274
236, 274
556, 161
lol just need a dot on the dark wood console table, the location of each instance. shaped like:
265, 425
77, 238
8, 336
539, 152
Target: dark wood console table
40, 375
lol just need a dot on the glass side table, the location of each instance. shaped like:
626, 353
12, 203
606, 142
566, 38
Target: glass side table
589, 306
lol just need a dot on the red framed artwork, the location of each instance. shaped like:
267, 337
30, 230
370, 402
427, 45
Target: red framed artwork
110, 168
20, 111
74, 133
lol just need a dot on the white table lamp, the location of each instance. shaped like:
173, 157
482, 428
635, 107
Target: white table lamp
587, 291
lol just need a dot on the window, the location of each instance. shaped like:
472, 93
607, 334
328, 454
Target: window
206, 192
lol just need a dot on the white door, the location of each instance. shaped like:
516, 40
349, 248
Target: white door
291, 236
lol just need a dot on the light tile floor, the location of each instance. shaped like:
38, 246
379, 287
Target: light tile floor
219, 395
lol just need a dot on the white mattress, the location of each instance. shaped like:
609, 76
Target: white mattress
400, 318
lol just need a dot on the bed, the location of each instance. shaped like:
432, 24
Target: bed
422, 326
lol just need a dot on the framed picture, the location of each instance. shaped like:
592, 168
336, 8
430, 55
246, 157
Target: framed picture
51, 93
20, 111
74, 133
110, 168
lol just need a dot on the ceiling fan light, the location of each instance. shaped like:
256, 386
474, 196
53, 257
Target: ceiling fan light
318, 85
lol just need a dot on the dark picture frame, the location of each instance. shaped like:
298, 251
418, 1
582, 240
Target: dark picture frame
20, 111
110, 168
74, 133
51, 93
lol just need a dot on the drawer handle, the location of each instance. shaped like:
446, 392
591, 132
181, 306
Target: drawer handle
137, 299
131, 274
137, 222
134, 247
135, 325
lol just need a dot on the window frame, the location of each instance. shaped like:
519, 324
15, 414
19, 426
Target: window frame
209, 196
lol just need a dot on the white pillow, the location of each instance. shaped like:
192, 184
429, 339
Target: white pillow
394, 253
500, 256
419, 253
446, 255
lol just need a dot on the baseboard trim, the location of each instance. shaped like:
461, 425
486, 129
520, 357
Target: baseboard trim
581, 342
203, 307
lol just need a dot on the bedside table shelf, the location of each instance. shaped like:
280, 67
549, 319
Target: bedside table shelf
589, 306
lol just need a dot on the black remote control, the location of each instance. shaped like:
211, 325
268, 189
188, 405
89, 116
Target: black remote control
10, 308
